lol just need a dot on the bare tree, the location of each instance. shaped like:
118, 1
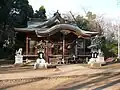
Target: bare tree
109, 30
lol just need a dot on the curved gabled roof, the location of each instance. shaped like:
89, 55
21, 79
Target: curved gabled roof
37, 23
41, 31
66, 27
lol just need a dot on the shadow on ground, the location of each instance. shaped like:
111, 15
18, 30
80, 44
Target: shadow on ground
5, 70
101, 82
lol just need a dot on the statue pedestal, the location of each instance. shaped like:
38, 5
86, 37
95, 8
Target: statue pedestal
92, 60
19, 59
100, 59
40, 63
97, 62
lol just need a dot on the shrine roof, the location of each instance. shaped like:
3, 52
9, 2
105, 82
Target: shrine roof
53, 25
33, 24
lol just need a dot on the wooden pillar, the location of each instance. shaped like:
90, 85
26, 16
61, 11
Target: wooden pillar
76, 49
84, 47
27, 42
50, 49
46, 51
63, 48
35, 51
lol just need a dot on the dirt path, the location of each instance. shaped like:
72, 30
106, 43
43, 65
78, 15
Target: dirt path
68, 77
92, 82
66, 70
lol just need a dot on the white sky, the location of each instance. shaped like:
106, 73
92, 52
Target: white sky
108, 8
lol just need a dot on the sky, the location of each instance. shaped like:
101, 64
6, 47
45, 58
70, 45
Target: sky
106, 8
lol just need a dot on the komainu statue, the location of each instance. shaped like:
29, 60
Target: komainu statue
19, 57
19, 52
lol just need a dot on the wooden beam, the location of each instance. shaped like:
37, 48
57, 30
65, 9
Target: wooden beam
46, 51
63, 47
76, 49
84, 46
27, 41
35, 50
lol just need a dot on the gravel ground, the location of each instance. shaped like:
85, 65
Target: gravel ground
67, 77
93, 82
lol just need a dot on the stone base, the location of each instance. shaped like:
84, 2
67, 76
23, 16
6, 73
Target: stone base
40, 66
18, 59
92, 60
100, 60
40, 63
96, 62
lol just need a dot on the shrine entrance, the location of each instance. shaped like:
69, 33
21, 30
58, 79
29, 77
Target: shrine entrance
61, 46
